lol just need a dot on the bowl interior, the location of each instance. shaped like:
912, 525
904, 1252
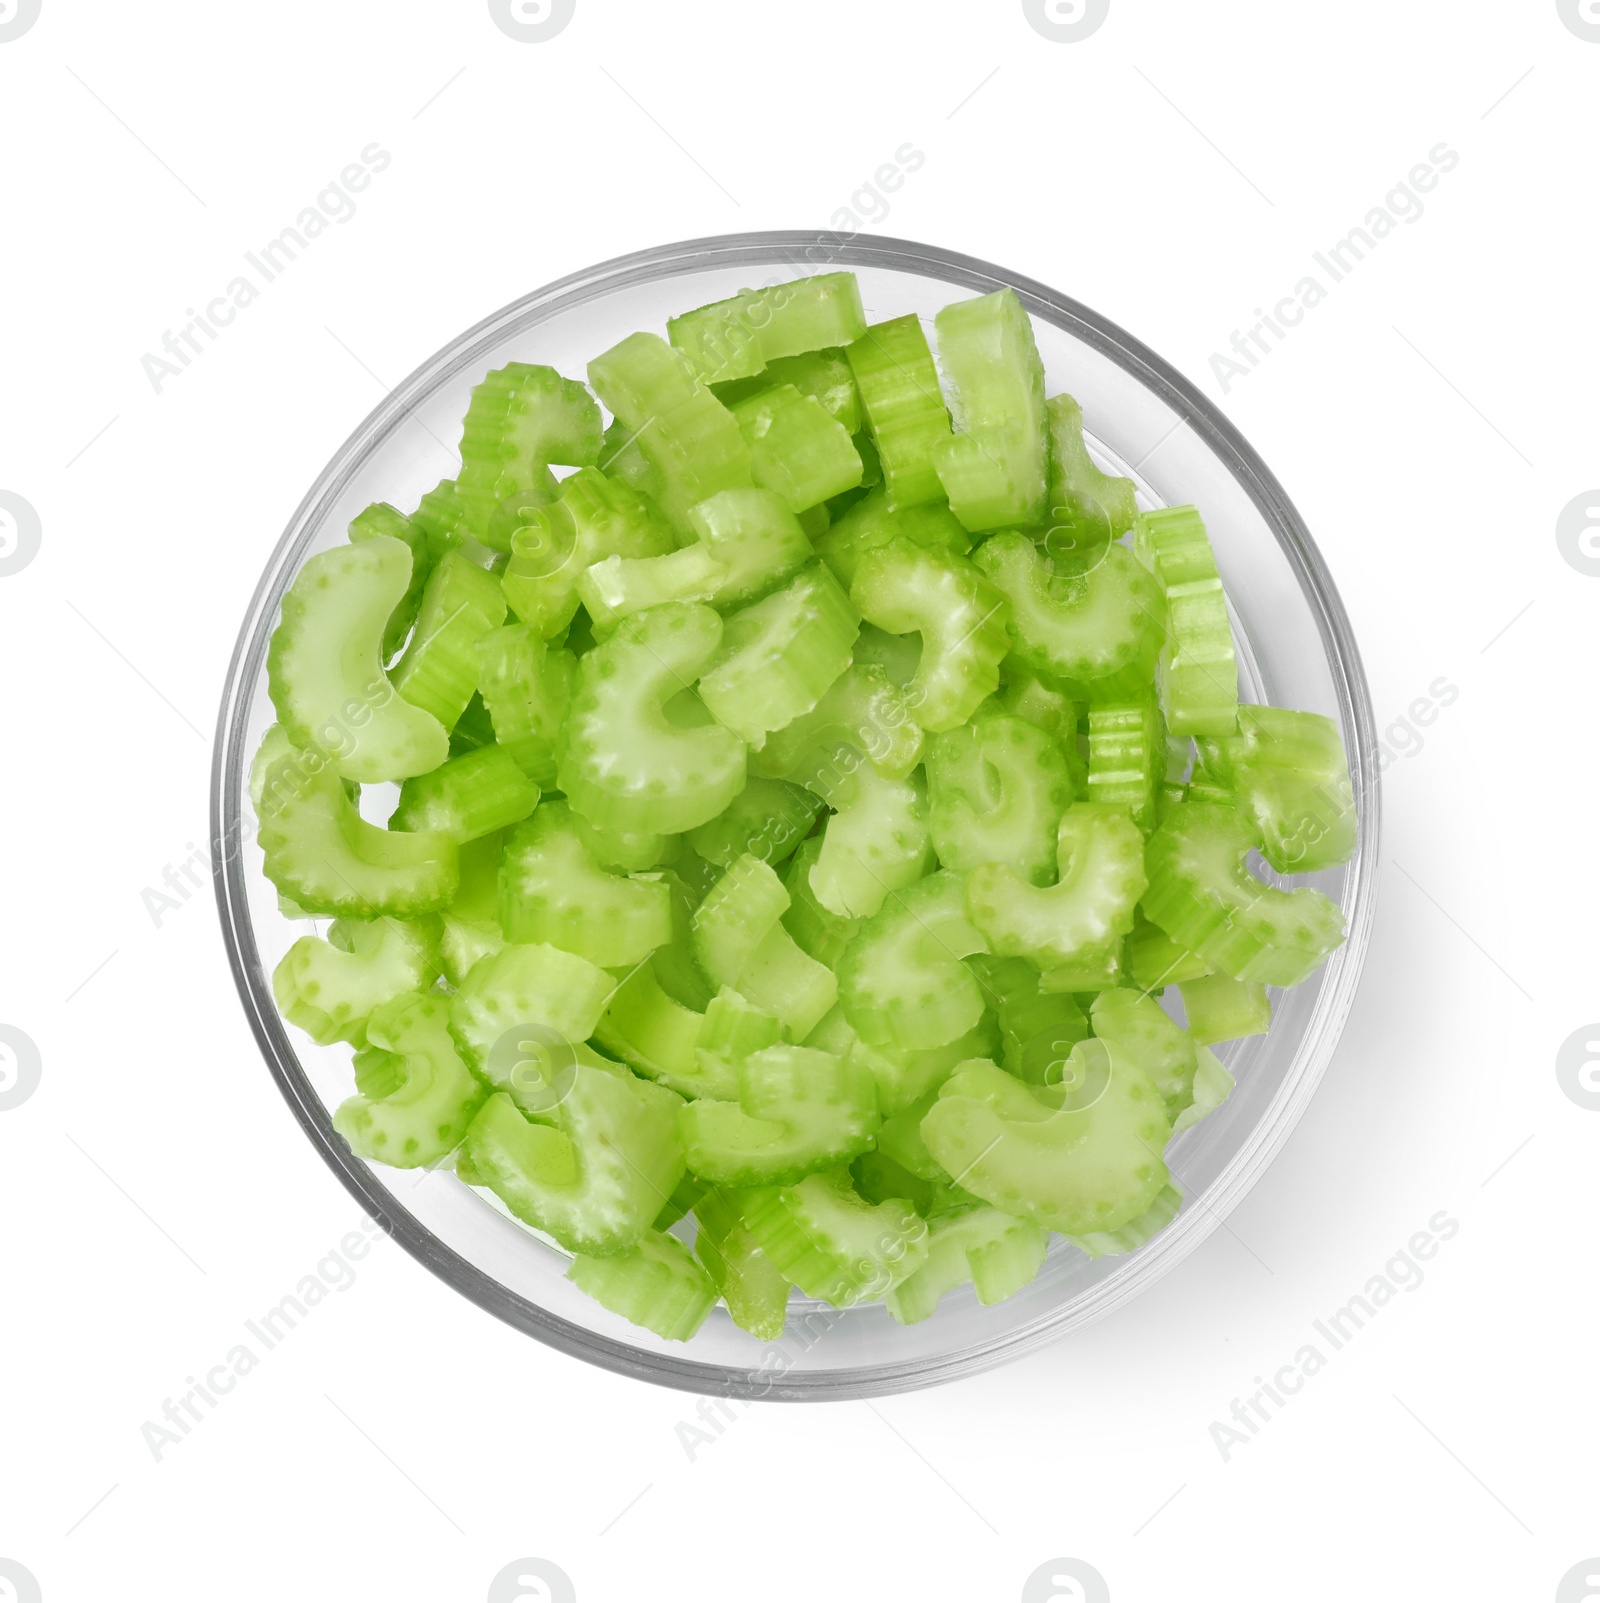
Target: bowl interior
1295, 651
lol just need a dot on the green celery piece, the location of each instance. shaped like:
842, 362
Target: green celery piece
656, 1285
997, 1253
1080, 1157
687, 879
905, 588
330, 988
1133, 1235
622, 461
1130, 1022
878, 1178
326, 858
767, 819
521, 419
476, 794
898, 656
779, 655
831, 1243
441, 515
627, 765
1042, 702
557, 996
1039, 1029
995, 467
1205, 898
1199, 676
755, 537
1101, 857
1087, 507
1097, 968
817, 931
871, 524
656, 1034
799, 1111
552, 890
382, 521
875, 842
424, 1117
731, 1031
797, 449
900, 1139
1155, 960
598, 1173
686, 1196
1212, 1085
439, 671
1127, 755
1096, 625
904, 1077
595, 517
618, 587
1222, 1009
902, 982
904, 407
739, 941
749, 1283
626, 851
685, 434
526, 684
997, 788
470, 924
863, 716
823, 375
1287, 771
325, 669
736, 338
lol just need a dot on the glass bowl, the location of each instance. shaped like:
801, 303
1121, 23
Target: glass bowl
1295, 650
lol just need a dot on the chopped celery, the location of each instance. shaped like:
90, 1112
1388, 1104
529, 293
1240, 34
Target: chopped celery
799, 1111
1081, 625
439, 671
875, 841
557, 995
526, 684
1287, 772
871, 524
767, 819
1039, 1028
797, 449
470, 922
1198, 675
779, 655
1127, 755
522, 418
380, 520
823, 375
997, 788
325, 666
961, 617
1087, 507
1130, 1022
999, 1254
902, 982
1205, 898
817, 930
1155, 960
656, 1284
994, 468
863, 716
1077, 1157
470, 796
330, 988
424, 1111
904, 406
628, 764
1222, 1009
737, 337
552, 890
755, 537
1088, 909
749, 1282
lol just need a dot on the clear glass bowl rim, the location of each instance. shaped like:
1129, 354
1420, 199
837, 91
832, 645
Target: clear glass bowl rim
801, 250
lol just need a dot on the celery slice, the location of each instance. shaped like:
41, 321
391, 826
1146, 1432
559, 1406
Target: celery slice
994, 467
330, 988
1087, 507
749, 1282
904, 407
1127, 755
824, 375
627, 764
439, 671
476, 794
556, 994
325, 666
875, 842
1205, 898
999, 1254
797, 449
737, 337
871, 524
767, 819
526, 685
656, 1285
1222, 1009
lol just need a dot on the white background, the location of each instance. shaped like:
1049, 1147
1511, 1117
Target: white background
1175, 171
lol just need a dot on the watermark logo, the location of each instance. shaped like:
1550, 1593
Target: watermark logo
532, 22
541, 543
1578, 530
1067, 1579
1582, 17
1065, 22
535, 1065
16, 17
1581, 1584
1577, 1068
20, 529
532, 1580
21, 1068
